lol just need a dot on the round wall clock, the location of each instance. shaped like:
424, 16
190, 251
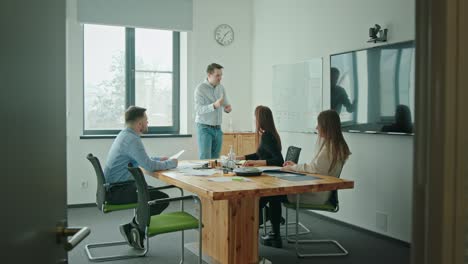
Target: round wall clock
224, 34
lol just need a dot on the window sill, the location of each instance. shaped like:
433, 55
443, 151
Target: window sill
143, 136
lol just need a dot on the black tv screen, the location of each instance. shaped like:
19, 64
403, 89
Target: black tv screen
373, 89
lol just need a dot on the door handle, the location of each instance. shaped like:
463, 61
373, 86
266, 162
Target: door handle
77, 235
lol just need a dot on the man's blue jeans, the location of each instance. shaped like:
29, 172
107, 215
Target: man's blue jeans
210, 140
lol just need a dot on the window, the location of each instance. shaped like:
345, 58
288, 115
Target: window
128, 66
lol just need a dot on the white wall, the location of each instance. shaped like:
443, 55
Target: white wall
236, 58
381, 165
201, 49
269, 32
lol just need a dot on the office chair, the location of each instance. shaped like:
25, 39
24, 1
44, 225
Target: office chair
292, 154
332, 205
152, 225
104, 206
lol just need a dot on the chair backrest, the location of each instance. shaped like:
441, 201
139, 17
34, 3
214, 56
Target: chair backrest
293, 154
143, 215
101, 181
334, 194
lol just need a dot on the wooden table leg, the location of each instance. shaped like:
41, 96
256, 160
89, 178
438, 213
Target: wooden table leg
230, 230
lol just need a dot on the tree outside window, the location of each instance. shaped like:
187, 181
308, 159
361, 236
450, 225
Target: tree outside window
126, 66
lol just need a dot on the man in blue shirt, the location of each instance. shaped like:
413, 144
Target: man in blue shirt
210, 102
128, 148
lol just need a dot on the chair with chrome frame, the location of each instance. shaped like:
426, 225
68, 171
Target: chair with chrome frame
293, 155
332, 205
104, 206
152, 225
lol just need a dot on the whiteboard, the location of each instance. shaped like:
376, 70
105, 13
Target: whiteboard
297, 95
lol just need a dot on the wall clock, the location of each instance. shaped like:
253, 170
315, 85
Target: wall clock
224, 34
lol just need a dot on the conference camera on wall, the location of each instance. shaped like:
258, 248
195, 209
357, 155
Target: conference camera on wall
376, 34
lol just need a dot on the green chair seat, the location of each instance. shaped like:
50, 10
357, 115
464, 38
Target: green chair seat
323, 207
171, 222
152, 225
106, 208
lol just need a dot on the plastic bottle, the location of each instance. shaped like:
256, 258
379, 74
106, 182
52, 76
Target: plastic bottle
231, 163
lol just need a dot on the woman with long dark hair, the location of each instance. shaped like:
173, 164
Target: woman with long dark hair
268, 154
269, 149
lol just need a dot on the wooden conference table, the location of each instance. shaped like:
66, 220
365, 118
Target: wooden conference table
230, 209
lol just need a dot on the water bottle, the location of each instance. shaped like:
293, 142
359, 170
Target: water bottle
231, 163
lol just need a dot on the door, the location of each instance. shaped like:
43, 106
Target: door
440, 185
33, 131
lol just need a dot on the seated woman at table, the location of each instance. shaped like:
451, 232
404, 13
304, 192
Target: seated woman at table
269, 149
331, 154
268, 154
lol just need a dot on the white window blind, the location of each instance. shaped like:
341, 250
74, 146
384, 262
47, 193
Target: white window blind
173, 15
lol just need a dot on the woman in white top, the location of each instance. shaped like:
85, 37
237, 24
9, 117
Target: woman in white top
331, 154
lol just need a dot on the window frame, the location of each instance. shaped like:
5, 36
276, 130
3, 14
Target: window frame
130, 86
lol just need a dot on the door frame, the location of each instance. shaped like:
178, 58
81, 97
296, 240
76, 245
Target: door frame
440, 169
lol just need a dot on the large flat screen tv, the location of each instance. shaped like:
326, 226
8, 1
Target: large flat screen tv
373, 89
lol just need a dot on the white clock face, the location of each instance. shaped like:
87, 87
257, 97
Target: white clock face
224, 34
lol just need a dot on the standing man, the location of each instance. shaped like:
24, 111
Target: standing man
339, 97
210, 101
128, 148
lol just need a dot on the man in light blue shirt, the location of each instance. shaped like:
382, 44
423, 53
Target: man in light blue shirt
210, 101
128, 148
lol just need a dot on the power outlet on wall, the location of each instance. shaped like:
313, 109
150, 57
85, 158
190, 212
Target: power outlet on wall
381, 221
84, 184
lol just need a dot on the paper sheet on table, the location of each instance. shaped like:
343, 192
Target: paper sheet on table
269, 168
284, 174
190, 165
240, 162
298, 178
192, 172
177, 155
229, 179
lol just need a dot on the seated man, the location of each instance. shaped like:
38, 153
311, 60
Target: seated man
128, 148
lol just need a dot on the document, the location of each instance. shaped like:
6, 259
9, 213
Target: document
189, 171
177, 155
282, 174
230, 179
264, 168
207, 172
